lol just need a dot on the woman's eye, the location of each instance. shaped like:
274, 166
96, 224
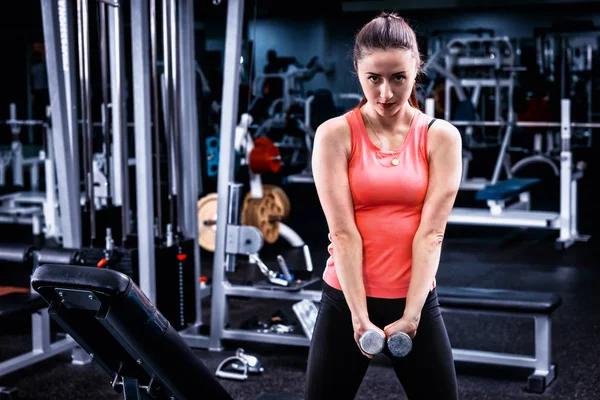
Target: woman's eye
399, 78
373, 78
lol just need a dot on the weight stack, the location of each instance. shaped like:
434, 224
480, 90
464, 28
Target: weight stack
175, 282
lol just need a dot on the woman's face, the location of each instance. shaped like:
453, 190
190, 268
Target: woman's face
387, 78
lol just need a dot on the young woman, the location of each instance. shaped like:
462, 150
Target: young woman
387, 176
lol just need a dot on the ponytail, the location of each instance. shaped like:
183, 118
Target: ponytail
412, 100
363, 101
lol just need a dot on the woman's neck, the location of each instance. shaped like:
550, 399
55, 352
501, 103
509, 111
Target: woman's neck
388, 125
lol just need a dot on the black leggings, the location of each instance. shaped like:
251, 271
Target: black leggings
336, 367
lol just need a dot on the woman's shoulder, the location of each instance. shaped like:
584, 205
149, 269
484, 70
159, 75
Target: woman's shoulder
337, 127
443, 132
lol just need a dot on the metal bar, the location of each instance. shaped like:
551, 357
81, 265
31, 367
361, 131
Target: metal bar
17, 162
497, 99
40, 331
29, 91
68, 40
175, 118
490, 83
471, 311
106, 115
143, 146
249, 291
274, 338
87, 126
188, 116
515, 218
194, 339
49, 206
34, 357
566, 161
543, 343
488, 357
430, 106
168, 108
563, 66
119, 118
591, 125
190, 145
290, 235
573, 227
233, 40
61, 82
16, 219
86, 109
447, 99
155, 116
501, 154
526, 124
233, 218
25, 122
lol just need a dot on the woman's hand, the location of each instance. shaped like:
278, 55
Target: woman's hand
408, 326
360, 327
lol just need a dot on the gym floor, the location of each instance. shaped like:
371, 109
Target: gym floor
472, 256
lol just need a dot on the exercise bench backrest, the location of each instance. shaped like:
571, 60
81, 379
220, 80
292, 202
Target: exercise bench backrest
111, 318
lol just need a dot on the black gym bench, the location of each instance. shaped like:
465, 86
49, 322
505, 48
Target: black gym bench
538, 305
18, 302
111, 319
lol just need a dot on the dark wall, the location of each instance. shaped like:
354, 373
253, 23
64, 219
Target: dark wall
20, 28
302, 31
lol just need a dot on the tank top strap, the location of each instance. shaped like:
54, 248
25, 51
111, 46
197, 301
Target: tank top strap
420, 128
357, 128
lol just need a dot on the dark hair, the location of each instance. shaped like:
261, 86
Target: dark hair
384, 32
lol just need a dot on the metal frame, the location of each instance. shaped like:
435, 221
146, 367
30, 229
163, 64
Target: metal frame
42, 347
496, 80
306, 176
499, 212
58, 39
229, 197
140, 47
540, 362
60, 61
120, 168
191, 172
519, 214
233, 40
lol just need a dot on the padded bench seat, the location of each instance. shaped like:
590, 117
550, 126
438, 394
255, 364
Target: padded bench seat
539, 305
498, 299
15, 304
506, 189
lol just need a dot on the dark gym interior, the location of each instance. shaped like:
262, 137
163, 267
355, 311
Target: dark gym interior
116, 150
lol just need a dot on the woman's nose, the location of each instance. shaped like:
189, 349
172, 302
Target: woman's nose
385, 91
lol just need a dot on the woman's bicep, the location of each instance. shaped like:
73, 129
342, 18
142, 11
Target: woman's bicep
330, 172
445, 171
